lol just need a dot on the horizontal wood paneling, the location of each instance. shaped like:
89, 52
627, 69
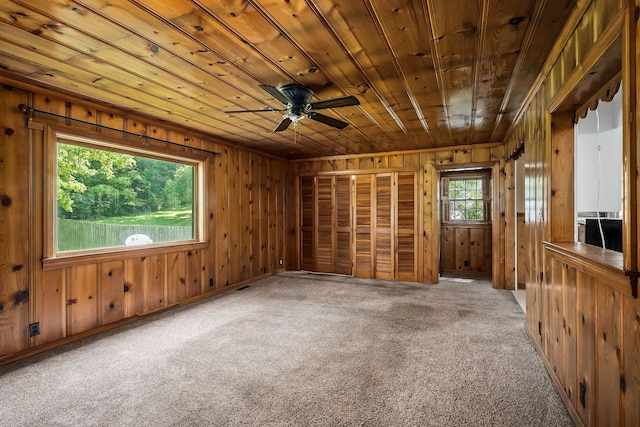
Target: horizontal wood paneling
244, 219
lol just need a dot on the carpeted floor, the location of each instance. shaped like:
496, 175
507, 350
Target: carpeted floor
300, 349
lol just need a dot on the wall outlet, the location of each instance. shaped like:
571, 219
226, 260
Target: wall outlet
280, 262
210, 282
34, 329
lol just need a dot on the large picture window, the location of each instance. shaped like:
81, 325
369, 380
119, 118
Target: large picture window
109, 196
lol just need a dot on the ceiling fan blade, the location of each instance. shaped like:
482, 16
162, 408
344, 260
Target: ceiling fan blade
345, 101
283, 125
264, 110
273, 91
327, 120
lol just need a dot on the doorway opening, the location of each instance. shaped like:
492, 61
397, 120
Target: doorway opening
466, 223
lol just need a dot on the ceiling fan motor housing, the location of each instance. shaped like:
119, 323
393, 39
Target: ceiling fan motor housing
299, 95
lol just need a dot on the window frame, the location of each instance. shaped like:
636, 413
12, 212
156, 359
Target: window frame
482, 175
54, 259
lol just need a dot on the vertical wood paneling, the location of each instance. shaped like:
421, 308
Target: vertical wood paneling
430, 219
111, 291
608, 347
208, 268
569, 319
222, 218
255, 209
14, 223
49, 306
448, 250
631, 367
82, 299
245, 216
234, 208
194, 276
77, 299
176, 278
556, 321
586, 336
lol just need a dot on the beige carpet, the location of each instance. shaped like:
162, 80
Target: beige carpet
300, 350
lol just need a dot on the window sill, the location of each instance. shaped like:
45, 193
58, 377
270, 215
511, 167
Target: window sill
96, 257
604, 264
466, 224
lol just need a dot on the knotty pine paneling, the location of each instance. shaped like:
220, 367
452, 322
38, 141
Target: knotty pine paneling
110, 291
14, 224
429, 163
631, 367
246, 218
82, 298
584, 328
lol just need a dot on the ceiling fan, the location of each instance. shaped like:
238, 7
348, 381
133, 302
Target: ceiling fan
297, 102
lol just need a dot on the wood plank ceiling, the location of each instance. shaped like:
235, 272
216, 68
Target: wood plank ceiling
427, 73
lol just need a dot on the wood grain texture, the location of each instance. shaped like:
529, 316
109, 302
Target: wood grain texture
580, 334
428, 164
87, 296
14, 222
426, 73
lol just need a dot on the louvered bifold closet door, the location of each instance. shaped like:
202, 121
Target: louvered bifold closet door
307, 223
324, 224
363, 189
384, 227
342, 198
407, 243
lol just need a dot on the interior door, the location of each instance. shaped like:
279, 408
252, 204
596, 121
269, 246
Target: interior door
363, 221
307, 223
406, 227
324, 224
384, 227
343, 228
365, 225
326, 244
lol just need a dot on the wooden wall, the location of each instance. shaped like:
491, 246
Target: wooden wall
245, 221
430, 163
582, 315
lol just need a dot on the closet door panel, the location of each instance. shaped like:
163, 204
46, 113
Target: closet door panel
384, 225
407, 245
343, 240
363, 188
324, 220
307, 223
